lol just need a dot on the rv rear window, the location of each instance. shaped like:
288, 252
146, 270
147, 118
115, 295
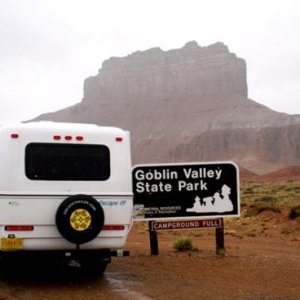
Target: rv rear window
45, 161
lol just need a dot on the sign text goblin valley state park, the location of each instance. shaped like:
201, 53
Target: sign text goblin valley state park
191, 190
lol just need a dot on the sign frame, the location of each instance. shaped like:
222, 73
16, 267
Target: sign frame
162, 177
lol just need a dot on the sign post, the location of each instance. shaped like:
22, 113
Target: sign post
153, 239
220, 246
186, 191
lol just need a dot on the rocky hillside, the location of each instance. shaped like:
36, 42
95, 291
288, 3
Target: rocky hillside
187, 104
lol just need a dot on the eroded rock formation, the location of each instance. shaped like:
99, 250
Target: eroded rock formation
187, 104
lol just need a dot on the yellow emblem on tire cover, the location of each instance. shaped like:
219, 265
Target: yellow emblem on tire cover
80, 219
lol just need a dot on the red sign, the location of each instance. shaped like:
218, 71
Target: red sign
186, 224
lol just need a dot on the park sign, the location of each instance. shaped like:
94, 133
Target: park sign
185, 190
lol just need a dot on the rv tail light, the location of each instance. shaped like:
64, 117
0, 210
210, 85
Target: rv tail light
113, 227
119, 139
68, 138
14, 135
56, 137
19, 228
79, 138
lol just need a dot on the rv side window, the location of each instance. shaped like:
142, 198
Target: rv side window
45, 161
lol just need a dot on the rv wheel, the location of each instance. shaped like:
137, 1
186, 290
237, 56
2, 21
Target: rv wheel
79, 219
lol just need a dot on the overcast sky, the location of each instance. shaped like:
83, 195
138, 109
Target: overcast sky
48, 47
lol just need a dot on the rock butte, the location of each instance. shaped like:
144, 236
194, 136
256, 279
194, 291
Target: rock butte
188, 104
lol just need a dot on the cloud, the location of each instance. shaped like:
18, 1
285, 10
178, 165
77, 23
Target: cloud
49, 47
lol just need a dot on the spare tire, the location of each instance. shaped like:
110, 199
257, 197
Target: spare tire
79, 219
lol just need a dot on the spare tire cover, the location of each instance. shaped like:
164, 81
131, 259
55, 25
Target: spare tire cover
79, 218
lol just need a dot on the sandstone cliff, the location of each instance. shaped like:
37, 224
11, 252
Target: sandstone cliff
188, 104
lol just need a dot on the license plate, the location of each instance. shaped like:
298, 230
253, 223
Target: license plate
8, 244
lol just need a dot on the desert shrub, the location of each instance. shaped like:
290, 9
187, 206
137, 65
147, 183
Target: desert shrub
142, 227
197, 235
260, 208
294, 212
249, 190
238, 235
251, 233
184, 244
221, 252
289, 188
268, 199
286, 231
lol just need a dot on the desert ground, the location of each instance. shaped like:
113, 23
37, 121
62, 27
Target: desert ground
261, 260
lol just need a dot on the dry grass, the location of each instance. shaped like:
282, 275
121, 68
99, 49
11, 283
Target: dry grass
270, 196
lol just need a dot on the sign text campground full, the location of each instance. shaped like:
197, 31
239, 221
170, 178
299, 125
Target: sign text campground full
185, 190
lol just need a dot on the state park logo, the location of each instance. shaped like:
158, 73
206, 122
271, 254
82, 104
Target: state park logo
219, 202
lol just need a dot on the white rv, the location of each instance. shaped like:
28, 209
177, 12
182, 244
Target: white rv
65, 189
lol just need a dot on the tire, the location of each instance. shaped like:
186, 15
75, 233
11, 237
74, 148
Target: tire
79, 219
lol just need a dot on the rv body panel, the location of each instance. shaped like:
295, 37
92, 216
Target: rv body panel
34, 183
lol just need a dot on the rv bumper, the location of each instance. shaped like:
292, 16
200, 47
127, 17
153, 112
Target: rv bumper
103, 255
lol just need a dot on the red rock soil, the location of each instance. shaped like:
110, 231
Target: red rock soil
261, 261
